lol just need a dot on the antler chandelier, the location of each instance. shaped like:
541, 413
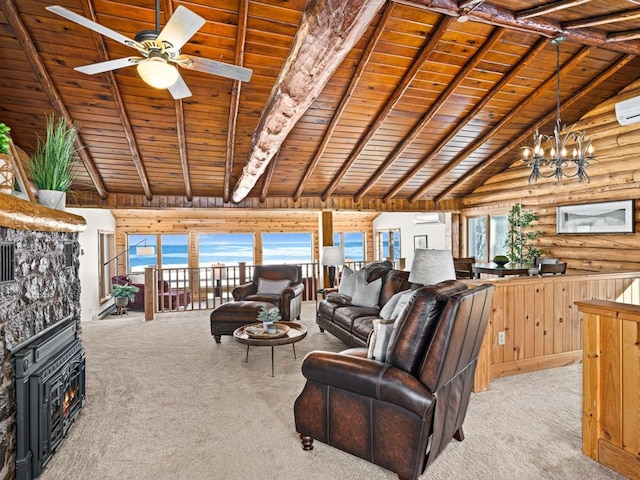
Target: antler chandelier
558, 145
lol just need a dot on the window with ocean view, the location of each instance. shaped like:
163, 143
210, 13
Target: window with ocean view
175, 251
353, 243
138, 262
227, 248
292, 248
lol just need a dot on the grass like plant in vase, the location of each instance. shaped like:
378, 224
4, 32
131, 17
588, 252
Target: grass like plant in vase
268, 317
52, 164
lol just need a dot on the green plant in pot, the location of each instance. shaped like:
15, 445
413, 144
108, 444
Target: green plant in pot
6, 163
521, 235
269, 317
501, 260
124, 294
52, 165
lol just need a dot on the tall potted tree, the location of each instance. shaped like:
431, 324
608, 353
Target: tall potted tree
520, 236
52, 164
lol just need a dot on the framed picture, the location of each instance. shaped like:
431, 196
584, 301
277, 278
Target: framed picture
605, 217
420, 241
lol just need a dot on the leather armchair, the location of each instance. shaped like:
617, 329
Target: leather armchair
289, 301
400, 414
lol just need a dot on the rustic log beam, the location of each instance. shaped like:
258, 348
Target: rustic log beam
234, 103
524, 61
328, 31
418, 62
503, 17
549, 8
577, 58
623, 36
603, 19
344, 101
469, 3
268, 176
432, 111
612, 70
24, 215
120, 108
23, 36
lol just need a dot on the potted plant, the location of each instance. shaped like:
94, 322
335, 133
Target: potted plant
520, 237
6, 163
124, 294
269, 316
52, 164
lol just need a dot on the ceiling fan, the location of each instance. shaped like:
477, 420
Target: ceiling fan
159, 50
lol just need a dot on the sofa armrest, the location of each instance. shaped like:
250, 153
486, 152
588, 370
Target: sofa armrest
368, 378
241, 291
292, 292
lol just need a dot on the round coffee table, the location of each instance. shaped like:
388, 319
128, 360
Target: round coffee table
296, 332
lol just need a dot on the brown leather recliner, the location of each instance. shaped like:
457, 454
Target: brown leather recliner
400, 414
289, 301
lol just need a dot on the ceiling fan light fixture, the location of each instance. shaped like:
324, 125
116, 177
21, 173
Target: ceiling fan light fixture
156, 72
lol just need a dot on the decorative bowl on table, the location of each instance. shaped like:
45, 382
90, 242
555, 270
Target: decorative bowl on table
501, 260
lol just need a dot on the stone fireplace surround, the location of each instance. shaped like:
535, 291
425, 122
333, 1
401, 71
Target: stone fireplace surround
43, 293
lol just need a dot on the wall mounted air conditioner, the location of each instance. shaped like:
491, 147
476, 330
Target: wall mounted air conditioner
628, 111
430, 217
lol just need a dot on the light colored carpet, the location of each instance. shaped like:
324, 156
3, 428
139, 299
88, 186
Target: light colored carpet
165, 402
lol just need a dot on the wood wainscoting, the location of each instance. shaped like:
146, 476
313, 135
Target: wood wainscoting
541, 324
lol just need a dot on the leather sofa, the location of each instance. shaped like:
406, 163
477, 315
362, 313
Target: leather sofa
352, 324
400, 413
167, 298
287, 299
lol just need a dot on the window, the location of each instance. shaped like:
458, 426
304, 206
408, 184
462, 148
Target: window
174, 251
485, 243
353, 243
388, 245
137, 263
227, 248
287, 248
106, 263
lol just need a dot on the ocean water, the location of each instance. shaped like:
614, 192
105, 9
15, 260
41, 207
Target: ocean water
230, 249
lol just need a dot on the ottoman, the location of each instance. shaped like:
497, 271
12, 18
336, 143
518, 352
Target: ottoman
231, 315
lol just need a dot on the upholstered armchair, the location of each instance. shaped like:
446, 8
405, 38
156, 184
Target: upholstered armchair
401, 413
278, 284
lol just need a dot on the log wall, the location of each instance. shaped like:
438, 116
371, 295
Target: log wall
614, 176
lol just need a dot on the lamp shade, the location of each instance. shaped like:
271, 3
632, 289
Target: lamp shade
158, 73
145, 251
432, 266
332, 256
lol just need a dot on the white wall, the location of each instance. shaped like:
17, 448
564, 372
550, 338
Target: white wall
438, 235
97, 219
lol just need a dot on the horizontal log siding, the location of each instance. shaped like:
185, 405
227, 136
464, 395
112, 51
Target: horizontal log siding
614, 176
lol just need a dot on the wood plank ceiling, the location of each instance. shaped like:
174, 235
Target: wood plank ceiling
423, 108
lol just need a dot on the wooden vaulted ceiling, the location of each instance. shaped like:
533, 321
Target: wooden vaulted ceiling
423, 108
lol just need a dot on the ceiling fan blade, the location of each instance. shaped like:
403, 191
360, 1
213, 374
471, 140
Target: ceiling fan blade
215, 68
108, 65
182, 25
179, 89
96, 27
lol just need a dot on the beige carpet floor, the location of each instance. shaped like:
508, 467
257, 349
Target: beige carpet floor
165, 402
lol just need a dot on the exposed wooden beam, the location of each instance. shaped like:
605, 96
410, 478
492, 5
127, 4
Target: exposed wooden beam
623, 36
344, 101
576, 59
40, 70
234, 103
549, 8
550, 115
120, 108
418, 62
524, 61
503, 17
268, 176
328, 31
469, 3
417, 129
180, 130
603, 19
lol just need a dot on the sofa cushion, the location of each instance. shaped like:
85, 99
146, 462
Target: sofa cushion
136, 278
345, 316
339, 299
362, 326
272, 286
403, 299
347, 282
388, 309
366, 294
379, 339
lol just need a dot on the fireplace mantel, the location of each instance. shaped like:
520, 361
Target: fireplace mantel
24, 215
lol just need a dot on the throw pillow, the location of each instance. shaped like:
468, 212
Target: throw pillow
366, 294
347, 282
138, 278
402, 302
339, 298
272, 286
379, 339
386, 313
